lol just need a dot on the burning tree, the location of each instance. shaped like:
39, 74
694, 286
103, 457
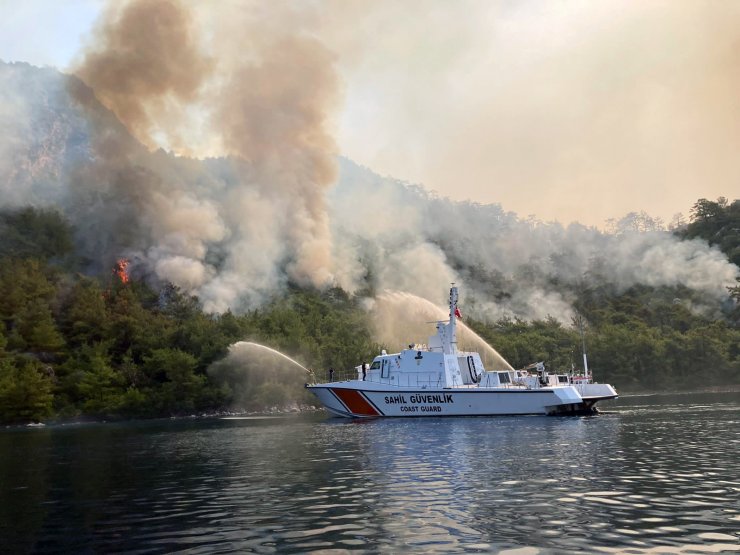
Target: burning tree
121, 270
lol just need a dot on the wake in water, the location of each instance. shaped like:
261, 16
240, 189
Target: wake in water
401, 318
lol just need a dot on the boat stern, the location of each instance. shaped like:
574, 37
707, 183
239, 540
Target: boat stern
597, 391
581, 399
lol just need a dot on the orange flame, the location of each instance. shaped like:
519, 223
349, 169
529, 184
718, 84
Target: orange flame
121, 270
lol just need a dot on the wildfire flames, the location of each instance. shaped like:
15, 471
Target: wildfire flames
121, 270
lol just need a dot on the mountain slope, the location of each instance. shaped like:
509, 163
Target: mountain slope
221, 229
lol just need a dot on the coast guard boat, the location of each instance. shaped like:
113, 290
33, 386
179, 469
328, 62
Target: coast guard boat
438, 380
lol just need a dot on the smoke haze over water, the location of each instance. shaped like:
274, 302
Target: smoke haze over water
281, 207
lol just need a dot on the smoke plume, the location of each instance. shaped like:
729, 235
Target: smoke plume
506, 266
248, 193
273, 116
267, 109
145, 64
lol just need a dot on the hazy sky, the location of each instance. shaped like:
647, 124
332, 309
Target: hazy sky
564, 110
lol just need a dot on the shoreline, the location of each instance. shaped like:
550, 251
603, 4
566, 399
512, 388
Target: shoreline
277, 412
82, 420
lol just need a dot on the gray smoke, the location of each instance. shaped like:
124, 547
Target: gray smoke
235, 237
236, 230
405, 238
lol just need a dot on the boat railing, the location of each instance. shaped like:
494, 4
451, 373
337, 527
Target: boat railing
334, 376
427, 379
416, 379
405, 379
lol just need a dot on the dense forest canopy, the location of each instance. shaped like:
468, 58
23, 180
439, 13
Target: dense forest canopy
73, 344
718, 223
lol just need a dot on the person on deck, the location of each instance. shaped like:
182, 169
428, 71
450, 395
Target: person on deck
331, 374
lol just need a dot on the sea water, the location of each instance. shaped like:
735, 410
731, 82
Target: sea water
652, 474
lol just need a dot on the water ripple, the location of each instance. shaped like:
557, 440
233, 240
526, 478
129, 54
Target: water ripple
651, 476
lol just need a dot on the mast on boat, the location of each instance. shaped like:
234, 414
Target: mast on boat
583, 346
452, 325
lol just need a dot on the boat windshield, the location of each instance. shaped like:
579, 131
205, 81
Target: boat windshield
375, 365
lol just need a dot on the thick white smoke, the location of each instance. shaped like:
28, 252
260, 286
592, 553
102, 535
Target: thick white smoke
507, 266
235, 231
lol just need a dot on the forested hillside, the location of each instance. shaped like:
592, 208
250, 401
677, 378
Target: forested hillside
74, 345
718, 223
645, 338
290, 246
106, 346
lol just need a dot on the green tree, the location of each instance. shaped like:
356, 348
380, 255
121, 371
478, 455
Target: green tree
25, 390
135, 330
36, 326
89, 383
718, 223
21, 282
34, 233
84, 318
180, 387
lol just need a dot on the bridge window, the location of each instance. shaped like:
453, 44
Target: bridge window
385, 372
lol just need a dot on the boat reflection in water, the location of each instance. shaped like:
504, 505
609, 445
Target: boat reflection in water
438, 380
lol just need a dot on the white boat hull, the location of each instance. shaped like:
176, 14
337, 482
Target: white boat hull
358, 399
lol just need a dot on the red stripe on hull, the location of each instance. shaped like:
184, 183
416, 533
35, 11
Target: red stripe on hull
355, 402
